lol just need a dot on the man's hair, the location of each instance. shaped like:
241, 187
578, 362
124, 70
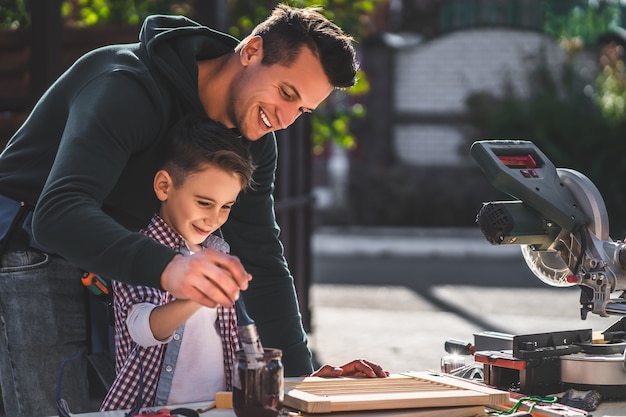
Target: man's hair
197, 140
288, 29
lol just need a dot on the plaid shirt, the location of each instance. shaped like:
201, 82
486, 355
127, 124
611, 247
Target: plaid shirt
129, 357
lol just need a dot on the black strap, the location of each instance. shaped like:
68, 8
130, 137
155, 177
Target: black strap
13, 215
16, 230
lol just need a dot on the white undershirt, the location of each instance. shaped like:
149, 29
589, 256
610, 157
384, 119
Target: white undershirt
199, 371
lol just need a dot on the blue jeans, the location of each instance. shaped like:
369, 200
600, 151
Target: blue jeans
42, 322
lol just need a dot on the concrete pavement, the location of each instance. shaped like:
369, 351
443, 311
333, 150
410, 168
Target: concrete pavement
395, 296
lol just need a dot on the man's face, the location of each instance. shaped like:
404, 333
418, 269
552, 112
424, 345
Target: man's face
267, 98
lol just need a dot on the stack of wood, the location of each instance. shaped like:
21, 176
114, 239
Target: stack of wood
422, 394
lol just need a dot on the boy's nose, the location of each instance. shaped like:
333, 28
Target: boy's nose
211, 219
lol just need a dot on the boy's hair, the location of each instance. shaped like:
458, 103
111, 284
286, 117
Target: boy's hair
198, 140
288, 29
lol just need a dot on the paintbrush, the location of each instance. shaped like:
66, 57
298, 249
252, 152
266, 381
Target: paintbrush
248, 335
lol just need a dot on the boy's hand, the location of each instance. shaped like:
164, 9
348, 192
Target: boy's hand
209, 277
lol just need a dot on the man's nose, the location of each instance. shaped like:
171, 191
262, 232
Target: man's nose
290, 115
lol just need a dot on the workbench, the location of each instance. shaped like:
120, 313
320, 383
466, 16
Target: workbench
605, 409
414, 394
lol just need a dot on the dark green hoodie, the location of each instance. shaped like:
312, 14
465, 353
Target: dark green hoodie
86, 156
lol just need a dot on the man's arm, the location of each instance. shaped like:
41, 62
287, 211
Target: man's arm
112, 143
104, 129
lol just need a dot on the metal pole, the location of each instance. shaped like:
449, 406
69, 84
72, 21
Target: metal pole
45, 41
212, 13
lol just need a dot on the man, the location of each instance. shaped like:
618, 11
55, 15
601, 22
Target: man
81, 168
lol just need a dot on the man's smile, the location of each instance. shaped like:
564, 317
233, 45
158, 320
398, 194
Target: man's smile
265, 119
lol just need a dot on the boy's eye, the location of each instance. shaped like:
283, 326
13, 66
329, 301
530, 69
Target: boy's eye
204, 203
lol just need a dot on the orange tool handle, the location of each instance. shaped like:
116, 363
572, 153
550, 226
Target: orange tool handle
95, 284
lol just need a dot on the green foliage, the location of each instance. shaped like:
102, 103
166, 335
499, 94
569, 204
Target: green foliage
353, 16
83, 13
611, 84
582, 19
80, 13
331, 121
13, 14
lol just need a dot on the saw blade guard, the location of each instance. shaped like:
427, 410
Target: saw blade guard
550, 265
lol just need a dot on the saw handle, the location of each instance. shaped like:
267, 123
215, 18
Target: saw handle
460, 347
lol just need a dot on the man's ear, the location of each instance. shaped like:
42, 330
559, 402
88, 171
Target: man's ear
252, 50
162, 184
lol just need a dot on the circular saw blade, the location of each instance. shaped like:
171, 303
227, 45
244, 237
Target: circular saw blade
549, 266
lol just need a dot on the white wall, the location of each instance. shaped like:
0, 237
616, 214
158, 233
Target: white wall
435, 78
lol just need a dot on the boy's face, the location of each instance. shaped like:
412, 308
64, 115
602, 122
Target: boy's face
200, 205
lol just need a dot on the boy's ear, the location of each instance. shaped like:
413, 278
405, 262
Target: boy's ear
251, 51
162, 184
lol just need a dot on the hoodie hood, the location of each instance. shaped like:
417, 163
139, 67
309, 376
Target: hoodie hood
174, 44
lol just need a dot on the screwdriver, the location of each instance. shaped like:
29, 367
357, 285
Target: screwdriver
95, 284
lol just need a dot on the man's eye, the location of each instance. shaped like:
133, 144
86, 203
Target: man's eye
204, 203
285, 93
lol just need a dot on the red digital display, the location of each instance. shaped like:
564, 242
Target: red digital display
518, 161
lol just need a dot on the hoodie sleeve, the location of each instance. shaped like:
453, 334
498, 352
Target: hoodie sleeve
110, 120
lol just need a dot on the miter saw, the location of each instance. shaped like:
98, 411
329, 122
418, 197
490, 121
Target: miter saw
560, 221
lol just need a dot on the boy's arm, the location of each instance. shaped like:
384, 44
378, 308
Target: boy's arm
165, 319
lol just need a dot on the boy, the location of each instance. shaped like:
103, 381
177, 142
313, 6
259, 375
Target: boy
207, 168
178, 350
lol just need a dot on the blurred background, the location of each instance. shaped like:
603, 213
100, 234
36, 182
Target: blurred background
376, 192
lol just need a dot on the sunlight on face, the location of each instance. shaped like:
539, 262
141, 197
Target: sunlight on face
269, 98
200, 205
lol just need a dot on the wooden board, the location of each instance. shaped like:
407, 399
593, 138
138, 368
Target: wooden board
409, 390
469, 411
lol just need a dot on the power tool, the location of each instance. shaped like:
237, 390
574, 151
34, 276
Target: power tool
558, 218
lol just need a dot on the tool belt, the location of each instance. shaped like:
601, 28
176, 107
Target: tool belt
16, 231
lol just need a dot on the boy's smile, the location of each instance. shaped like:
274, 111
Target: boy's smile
200, 205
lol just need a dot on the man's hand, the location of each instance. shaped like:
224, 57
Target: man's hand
358, 367
209, 277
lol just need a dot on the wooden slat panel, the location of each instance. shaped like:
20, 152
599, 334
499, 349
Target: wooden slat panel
412, 390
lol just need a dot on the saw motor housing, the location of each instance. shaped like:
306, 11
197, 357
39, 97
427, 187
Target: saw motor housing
559, 219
